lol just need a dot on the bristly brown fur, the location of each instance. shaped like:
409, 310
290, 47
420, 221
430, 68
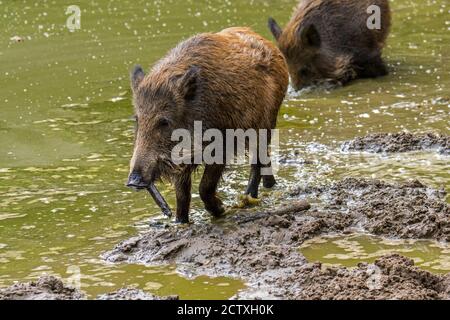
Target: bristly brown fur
234, 79
347, 49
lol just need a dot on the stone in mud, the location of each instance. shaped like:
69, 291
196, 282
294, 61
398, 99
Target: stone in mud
399, 142
391, 277
408, 211
133, 294
46, 288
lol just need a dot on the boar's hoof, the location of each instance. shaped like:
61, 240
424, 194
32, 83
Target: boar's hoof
269, 182
217, 211
182, 220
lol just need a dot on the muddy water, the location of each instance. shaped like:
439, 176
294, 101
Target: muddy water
66, 134
350, 250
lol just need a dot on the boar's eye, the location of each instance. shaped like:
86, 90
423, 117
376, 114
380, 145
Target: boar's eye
163, 123
303, 72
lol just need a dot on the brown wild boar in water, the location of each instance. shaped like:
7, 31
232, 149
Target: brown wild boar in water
234, 79
329, 41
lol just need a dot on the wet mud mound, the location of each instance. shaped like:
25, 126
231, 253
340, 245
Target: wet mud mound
408, 211
46, 288
262, 248
52, 288
391, 277
259, 247
128, 294
399, 142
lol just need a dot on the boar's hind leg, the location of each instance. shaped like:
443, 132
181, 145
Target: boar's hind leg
254, 181
183, 187
256, 177
208, 189
267, 176
269, 179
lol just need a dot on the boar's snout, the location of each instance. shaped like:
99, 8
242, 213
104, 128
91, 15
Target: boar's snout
136, 181
143, 169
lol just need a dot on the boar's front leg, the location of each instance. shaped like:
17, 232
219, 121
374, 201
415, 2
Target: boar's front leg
183, 185
208, 189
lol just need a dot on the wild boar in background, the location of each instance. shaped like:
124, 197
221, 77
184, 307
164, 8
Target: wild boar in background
330, 41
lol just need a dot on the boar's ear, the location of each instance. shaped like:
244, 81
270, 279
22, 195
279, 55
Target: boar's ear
137, 75
275, 28
189, 83
309, 36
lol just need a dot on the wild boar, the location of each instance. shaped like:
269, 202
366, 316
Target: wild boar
331, 41
234, 79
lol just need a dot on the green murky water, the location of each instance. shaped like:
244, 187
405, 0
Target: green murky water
66, 136
348, 251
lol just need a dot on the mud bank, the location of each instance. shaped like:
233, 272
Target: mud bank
263, 248
53, 288
46, 288
133, 294
408, 211
391, 277
399, 142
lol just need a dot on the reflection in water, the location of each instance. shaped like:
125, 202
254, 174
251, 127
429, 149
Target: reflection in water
350, 250
66, 133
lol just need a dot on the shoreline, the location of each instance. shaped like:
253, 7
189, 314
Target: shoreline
261, 248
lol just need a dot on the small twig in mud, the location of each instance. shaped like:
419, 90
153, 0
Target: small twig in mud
296, 206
